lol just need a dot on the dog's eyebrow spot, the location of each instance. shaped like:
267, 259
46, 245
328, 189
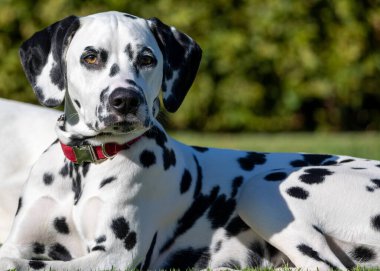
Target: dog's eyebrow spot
129, 51
103, 56
114, 70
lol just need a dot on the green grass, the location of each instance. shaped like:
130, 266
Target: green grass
365, 145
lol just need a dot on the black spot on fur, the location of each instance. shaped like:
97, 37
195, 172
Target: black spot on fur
370, 189
218, 246
120, 227
158, 135
107, 181
19, 205
297, 192
312, 160
376, 182
220, 211
129, 51
251, 160
36, 264
59, 252
147, 158
276, 176
103, 56
308, 251
198, 185
315, 175
56, 76
200, 149
114, 70
192, 214
48, 178
236, 226
38, 248
61, 226
185, 181
188, 258
169, 158
77, 186
130, 240
358, 168
64, 170
330, 163
85, 168
148, 256
101, 239
375, 222
378, 165
41, 97
298, 163
101, 248
236, 183
362, 254
346, 161
316, 159
77, 103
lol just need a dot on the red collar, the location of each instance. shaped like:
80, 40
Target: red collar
94, 154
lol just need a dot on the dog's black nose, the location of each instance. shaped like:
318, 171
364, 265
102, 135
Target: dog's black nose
125, 101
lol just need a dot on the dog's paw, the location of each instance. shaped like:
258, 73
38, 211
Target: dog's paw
7, 264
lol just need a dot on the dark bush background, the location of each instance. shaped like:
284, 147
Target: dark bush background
267, 65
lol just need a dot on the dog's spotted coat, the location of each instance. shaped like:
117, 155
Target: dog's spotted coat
159, 203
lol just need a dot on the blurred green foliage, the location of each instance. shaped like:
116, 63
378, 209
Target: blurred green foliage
267, 65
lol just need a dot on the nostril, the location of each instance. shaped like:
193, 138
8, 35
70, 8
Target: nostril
134, 102
118, 102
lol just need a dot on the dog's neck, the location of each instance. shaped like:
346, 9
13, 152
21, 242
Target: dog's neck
97, 150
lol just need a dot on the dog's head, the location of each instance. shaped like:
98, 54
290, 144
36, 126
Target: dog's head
109, 68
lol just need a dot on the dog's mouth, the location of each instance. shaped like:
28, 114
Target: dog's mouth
123, 128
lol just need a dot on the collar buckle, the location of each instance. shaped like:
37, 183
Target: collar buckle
86, 153
106, 155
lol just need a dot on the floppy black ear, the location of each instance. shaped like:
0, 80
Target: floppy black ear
182, 56
42, 59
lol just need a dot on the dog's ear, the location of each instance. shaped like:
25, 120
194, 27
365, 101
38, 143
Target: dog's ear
42, 57
182, 56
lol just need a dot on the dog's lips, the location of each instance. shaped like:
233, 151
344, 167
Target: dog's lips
123, 127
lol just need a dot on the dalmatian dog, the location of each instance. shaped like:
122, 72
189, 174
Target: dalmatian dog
115, 191
20, 148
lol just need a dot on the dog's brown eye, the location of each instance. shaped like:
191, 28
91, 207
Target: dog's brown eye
146, 60
90, 59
